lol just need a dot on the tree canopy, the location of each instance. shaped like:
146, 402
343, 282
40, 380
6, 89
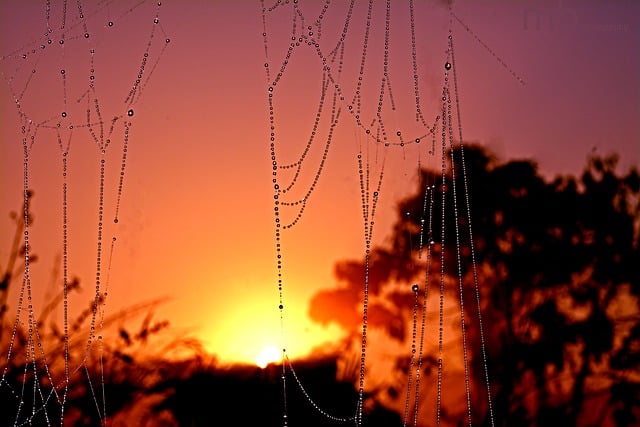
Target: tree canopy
556, 269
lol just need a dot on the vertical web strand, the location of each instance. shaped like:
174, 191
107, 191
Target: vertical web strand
476, 288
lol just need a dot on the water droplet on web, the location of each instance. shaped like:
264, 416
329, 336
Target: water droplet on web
414, 288
86, 35
115, 220
156, 20
64, 114
447, 65
130, 113
110, 23
167, 40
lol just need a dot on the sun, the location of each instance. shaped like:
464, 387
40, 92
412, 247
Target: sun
269, 354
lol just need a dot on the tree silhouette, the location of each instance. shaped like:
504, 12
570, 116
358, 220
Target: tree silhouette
558, 272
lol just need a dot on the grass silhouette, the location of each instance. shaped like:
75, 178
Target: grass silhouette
130, 375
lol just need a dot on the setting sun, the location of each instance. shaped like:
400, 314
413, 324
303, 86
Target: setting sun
269, 354
255, 326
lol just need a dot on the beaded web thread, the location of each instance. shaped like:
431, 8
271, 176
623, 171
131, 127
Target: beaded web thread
354, 49
63, 84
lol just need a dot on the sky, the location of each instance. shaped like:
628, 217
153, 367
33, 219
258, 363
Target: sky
195, 210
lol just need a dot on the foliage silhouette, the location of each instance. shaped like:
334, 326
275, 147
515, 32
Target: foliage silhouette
118, 363
557, 263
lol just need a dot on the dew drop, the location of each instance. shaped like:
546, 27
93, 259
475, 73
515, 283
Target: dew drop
156, 20
115, 221
447, 65
64, 114
130, 113
86, 35
110, 23
414, 288
167, 40
62, 71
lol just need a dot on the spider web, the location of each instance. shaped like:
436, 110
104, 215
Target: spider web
385, 71
376, 79
76, 77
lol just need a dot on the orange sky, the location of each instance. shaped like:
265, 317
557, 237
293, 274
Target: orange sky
196, 221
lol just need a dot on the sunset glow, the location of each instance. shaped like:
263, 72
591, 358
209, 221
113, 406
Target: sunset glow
196, 218
252, 327
269, 354
189, 191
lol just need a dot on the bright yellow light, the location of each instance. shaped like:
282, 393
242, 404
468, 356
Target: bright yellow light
252, 327
269, 354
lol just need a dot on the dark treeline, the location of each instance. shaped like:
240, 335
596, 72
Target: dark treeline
558, 276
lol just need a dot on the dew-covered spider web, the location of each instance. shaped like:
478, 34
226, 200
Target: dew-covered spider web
379, 81
76, 75
374, 81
